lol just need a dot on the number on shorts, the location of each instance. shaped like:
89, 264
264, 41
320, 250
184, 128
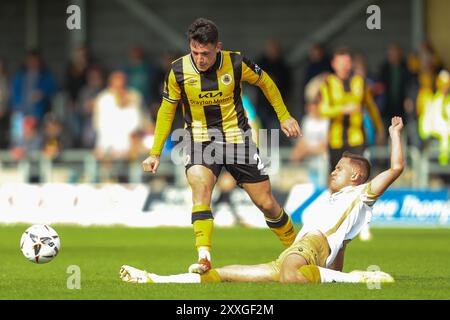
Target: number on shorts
260, 164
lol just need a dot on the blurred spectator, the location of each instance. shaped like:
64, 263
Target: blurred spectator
76, 72
419, 98
422, 92
76, 79
394, 78
30, 142
117, 119
272, 62
428, 56
54, 139
436, 117
4, 106
318, 63
372, 87
343, 96
87, 96
424, 66
312, 146
140, 73
117, 116
424, 60
32, 88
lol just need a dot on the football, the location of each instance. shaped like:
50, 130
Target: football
40, 243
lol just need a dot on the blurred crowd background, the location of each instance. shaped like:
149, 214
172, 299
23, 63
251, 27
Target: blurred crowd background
80, 106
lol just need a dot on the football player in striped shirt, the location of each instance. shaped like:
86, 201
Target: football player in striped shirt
207, 82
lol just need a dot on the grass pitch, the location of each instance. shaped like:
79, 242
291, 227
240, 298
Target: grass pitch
419, 260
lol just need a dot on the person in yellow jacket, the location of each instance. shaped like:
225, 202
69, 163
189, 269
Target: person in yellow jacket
435, 120
343, 97
424, 101
208, 83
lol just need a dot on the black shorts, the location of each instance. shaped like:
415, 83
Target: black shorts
242, 160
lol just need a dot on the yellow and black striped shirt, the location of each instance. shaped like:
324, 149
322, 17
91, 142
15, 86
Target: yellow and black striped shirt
347, 129
212, 99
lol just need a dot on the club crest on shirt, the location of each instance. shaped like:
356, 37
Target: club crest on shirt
226, 79
191, 81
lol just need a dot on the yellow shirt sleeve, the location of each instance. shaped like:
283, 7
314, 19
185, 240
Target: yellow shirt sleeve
372, 109
166, 113
329, 106
164, 121
254, 75
326, 108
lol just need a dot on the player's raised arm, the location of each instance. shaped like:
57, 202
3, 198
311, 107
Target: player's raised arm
382, 181
253, 74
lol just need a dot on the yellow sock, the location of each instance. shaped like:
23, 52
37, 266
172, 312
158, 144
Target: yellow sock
210, 276
202, 220
283, 228
311, 273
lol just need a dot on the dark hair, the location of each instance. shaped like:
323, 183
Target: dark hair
361, 163
341, 51
203, 31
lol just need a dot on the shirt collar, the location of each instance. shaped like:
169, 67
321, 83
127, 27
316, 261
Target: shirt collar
343, 190
216, 66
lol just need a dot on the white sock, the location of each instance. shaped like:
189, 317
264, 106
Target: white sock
329, 275
203, 253
365, 234
177, 278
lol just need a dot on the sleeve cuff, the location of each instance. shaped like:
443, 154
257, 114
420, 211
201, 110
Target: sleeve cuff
286, 116
170, 100
155, 153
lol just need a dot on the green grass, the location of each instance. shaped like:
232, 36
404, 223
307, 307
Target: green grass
419, 259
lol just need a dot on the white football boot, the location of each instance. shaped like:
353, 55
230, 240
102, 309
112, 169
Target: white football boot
374, 276
133, 275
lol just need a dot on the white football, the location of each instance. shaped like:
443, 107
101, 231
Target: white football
40, 243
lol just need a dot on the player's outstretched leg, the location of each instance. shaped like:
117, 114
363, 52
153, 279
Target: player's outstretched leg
296, 269
133, 275
316, 274
234, 273
247, 273
276, 218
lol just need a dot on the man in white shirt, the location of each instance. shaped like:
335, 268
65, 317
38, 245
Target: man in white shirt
117, 115
317, 254
312, 146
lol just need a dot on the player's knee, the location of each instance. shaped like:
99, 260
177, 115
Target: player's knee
289, 271
201, 190
292, 277
267, 204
